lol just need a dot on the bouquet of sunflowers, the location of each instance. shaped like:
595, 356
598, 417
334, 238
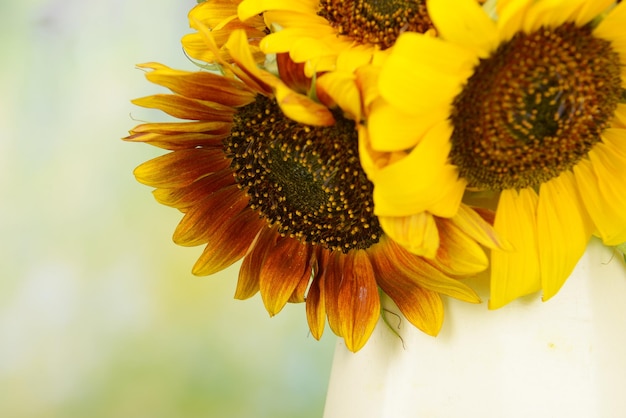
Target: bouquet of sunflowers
341, 149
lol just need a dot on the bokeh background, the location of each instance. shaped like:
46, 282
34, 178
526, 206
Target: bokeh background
99, 313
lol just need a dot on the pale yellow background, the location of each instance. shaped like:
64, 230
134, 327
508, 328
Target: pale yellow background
99, 314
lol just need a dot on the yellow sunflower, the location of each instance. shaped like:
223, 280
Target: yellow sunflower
292, 201
317, 32
220, 17
529, 108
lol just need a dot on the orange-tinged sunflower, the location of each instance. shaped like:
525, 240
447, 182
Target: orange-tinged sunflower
530, 109
317, 32
220, 17
292, 201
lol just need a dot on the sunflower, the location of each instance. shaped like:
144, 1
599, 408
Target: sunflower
291, 200
220, 16
317, 32
530, 110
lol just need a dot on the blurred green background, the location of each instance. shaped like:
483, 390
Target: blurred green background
99, 314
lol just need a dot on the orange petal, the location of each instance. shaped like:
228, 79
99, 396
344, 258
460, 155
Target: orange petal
298, 294
390, 260
292, 73
175, 142
358, 300
315, 309
181, 168
249, 273
201, 85
331, 270
285, 266
180, 135
206, 218
229, 243
184, 108
184, 197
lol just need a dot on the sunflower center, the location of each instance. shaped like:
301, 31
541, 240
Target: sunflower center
305, 180
535, 107
378, 22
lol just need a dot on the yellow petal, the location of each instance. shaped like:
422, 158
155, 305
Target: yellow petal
341, 87
421, 307
611, 28
515, 273
602, 182
510, 17
592, 9
417, 233
469, 221
563, 230
250, 8
408, 128
415, 84
458, 253
422, 181
549, 13
301, 108
465, 23
211, 13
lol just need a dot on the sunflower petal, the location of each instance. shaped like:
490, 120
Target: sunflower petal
408, 82
331, 272
342, 88
602, 182
249, 273
417, 233
229, 243
250, 8
184, 108
423, 308
515, 273
592, 9
474, 225
301, 108
200, 85
184, 197
464, 23
563, 231
611, 28
315, 307
285, 266
391, 260
459, 253
208, 216
359, 301
180, 168
408, 128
